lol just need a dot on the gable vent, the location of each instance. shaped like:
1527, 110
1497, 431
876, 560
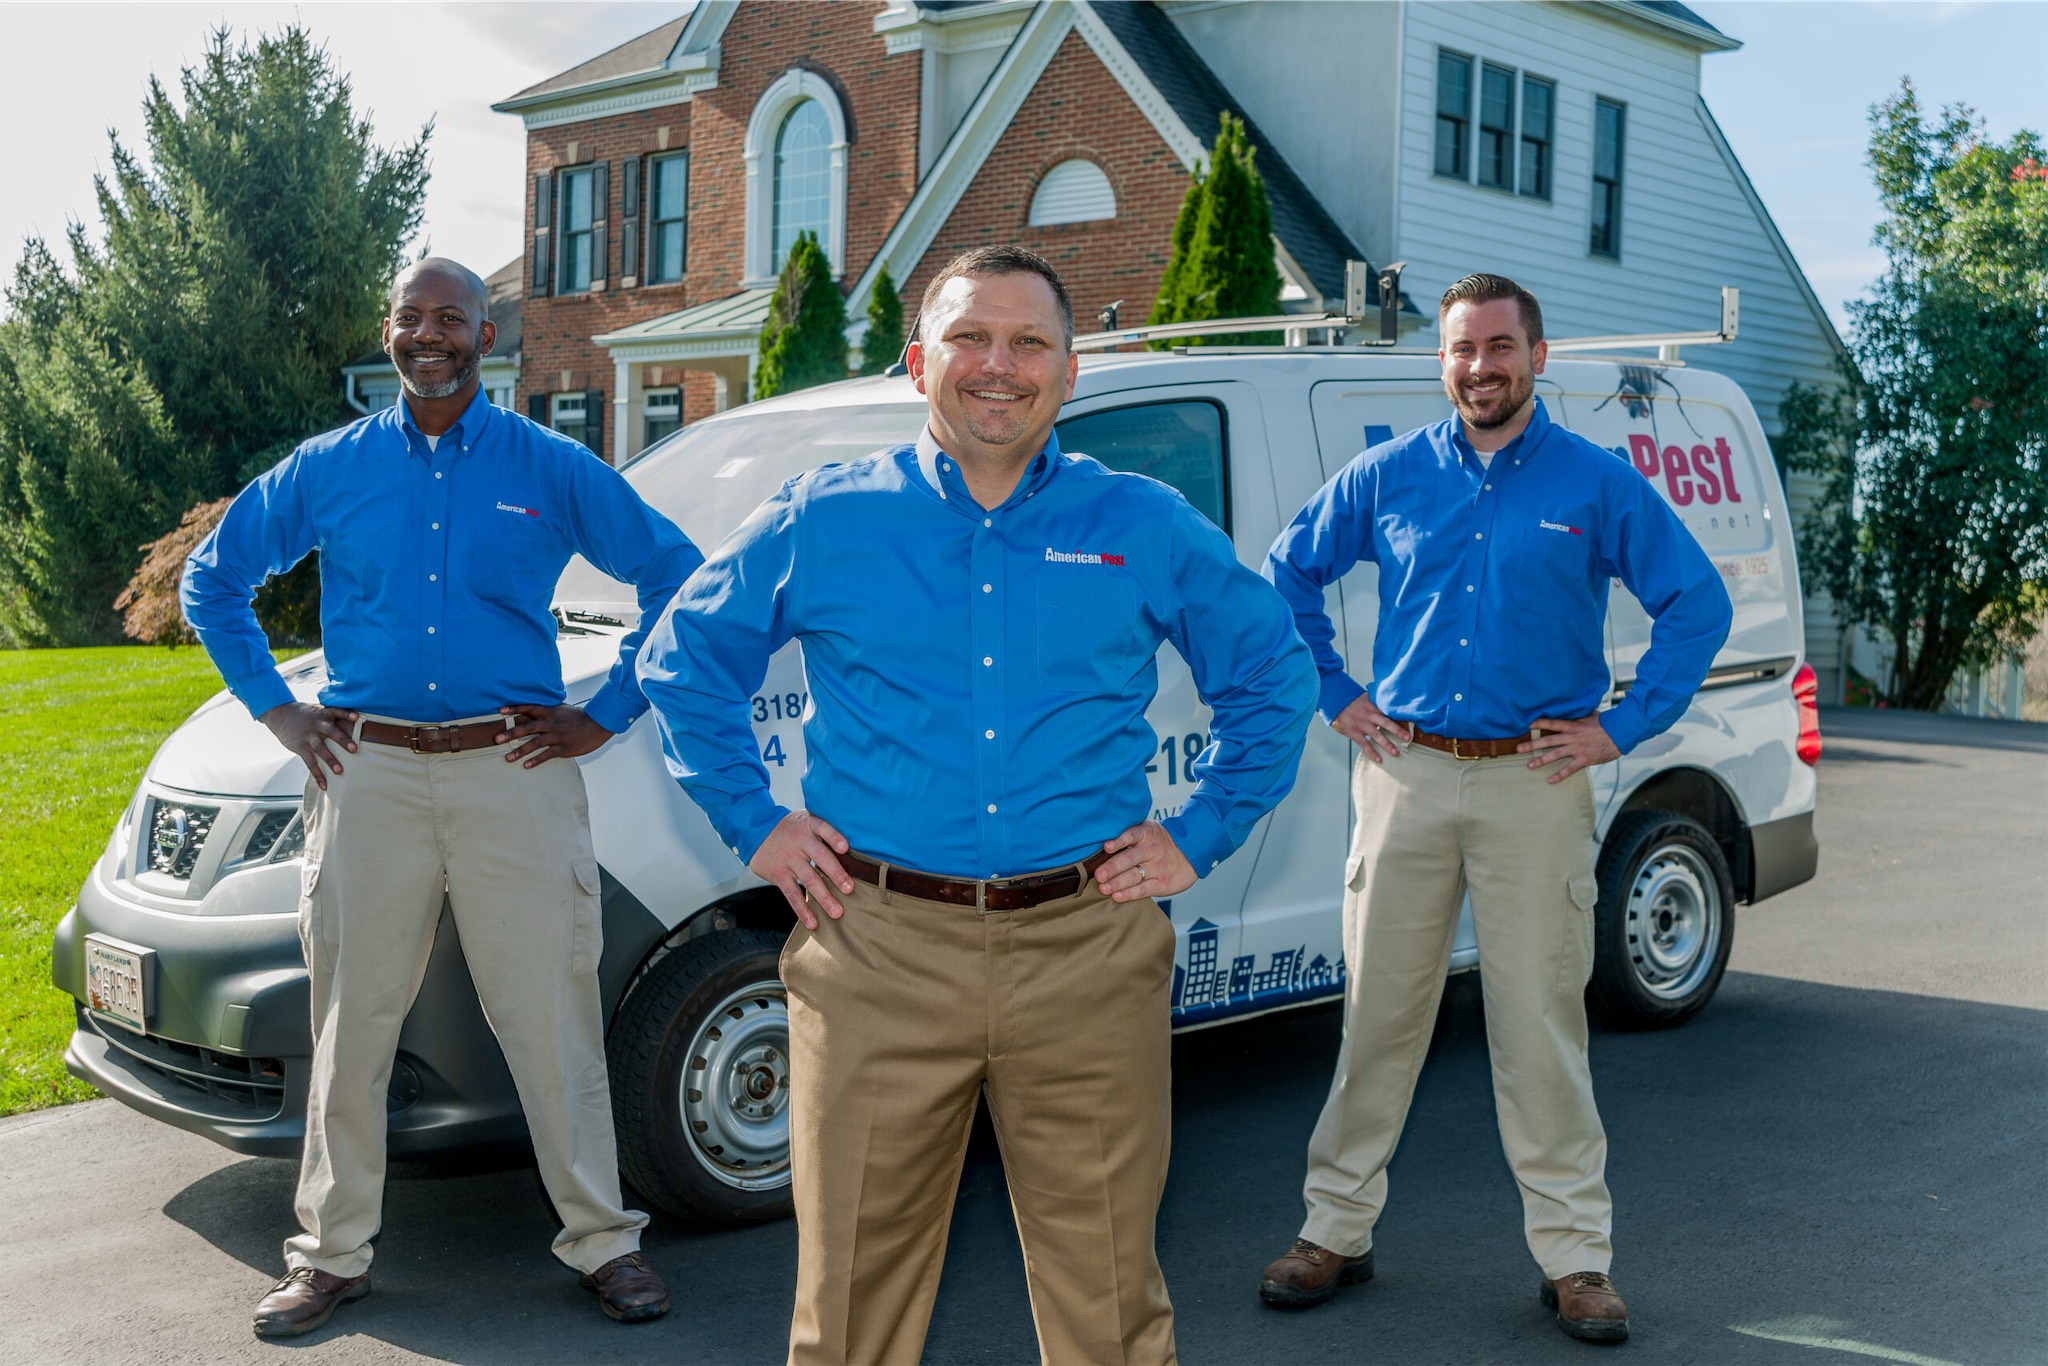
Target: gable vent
1072, 192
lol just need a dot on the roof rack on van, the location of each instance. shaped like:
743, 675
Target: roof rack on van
1297, 326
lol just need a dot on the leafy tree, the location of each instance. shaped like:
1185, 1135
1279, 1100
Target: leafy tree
245, 260
1932, 525
884, 341
804, 340
1222, 263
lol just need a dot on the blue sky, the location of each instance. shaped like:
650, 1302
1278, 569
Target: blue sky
1794, 101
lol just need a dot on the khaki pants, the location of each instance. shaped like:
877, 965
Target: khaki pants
901, 1015
1430, 828
508, 848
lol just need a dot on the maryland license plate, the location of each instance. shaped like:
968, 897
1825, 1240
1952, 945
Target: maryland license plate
117, 980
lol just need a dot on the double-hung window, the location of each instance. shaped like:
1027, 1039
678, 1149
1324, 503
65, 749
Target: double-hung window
1539, 111
574, 266
1609, 119
662, 413
667, 236
1496, 127
1453, 114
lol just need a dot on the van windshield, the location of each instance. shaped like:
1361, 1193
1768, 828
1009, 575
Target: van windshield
709, 476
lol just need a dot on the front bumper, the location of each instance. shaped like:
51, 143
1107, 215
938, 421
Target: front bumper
229, 1044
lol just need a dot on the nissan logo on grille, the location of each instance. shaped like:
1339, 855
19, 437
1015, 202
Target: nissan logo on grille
176, 835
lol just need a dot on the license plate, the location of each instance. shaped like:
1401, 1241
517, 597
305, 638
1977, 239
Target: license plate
117, 980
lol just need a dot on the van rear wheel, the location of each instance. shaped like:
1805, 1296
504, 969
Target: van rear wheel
1663, 924
699, 1060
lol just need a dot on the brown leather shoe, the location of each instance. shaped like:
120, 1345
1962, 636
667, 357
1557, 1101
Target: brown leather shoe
628, 1289
1588, 1306
1308, 1275
305, 1299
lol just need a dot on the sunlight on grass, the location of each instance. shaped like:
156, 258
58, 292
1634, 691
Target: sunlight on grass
77, 728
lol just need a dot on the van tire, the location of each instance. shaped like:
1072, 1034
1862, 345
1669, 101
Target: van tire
711, 1011
1663, 923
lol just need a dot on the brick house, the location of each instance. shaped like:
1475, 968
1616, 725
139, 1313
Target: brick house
667, 178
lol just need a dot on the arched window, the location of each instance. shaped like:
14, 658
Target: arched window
1072, 192
803, 181
795, 152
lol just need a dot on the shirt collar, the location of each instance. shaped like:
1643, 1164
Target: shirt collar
468, 429
943, 473
1521, 448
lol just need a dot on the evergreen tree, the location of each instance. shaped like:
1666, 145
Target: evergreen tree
245, 260
884, 343
1933, 454
1222, 264
804, 340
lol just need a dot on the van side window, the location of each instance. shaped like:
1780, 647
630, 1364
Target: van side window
1177, 442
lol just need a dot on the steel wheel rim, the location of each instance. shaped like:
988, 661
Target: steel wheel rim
1674, 922
735, 1089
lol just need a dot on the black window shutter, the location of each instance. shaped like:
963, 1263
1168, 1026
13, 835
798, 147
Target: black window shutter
601, 202
537, 408
541, 184
629, 213
593, 420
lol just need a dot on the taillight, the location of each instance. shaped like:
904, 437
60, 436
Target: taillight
1806, 692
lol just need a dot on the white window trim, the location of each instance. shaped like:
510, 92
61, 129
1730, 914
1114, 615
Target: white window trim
790, 89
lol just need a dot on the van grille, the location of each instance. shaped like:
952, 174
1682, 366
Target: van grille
177, 835
252, 1086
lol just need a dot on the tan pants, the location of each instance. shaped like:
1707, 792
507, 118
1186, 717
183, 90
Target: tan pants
508, 848
1430, 828
901, 1015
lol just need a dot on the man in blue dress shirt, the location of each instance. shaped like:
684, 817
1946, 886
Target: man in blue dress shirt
442, 525
1496, 534
979, 614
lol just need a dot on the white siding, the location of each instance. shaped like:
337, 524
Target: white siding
1688, 222
1329, 104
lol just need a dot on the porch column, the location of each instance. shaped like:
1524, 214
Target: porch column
622, 410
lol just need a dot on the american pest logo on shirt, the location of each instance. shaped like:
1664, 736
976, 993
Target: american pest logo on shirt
1547, 526
514, 507
1079, 557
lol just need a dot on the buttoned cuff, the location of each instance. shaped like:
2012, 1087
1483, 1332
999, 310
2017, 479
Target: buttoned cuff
614, 708
1339, 690
747, 823
1199, 835
1626, 726
262, 693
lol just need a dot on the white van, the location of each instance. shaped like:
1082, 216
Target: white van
183, 950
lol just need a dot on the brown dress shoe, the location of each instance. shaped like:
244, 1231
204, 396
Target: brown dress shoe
1588, 1306
628, 1289
305, 1299
1308, 1275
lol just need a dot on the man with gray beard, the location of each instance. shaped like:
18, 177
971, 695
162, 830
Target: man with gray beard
442, 524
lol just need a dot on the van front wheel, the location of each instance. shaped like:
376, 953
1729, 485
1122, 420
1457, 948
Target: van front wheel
1663, 924
699, 1061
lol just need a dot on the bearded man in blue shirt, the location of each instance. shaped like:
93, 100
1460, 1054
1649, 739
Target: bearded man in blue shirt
442, 525
979, 614
1496, 535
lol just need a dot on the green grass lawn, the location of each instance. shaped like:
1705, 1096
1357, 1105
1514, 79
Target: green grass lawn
77, 727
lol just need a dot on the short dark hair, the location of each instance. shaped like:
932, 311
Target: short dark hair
1484, 289
1006, 259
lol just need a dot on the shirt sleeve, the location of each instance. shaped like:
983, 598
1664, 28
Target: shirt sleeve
1258, 679
618, 532
1331, 533
266, 531
1660, 562
704, 660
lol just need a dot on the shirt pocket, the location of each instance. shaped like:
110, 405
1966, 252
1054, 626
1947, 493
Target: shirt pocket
1089, 632
1548, 568
513, 558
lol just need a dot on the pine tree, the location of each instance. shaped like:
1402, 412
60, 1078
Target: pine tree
245, 260
884, 341
804, 340
1222, 264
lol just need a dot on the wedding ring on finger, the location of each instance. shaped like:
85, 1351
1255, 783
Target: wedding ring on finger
1142, 874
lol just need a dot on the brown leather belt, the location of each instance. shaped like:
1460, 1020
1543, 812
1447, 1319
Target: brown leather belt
437, 739
996, 894
1467, 749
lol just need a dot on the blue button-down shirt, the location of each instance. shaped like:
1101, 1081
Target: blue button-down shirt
436, 566
1493, 583
979, 678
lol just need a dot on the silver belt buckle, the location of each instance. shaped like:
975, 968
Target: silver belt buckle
420, 733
